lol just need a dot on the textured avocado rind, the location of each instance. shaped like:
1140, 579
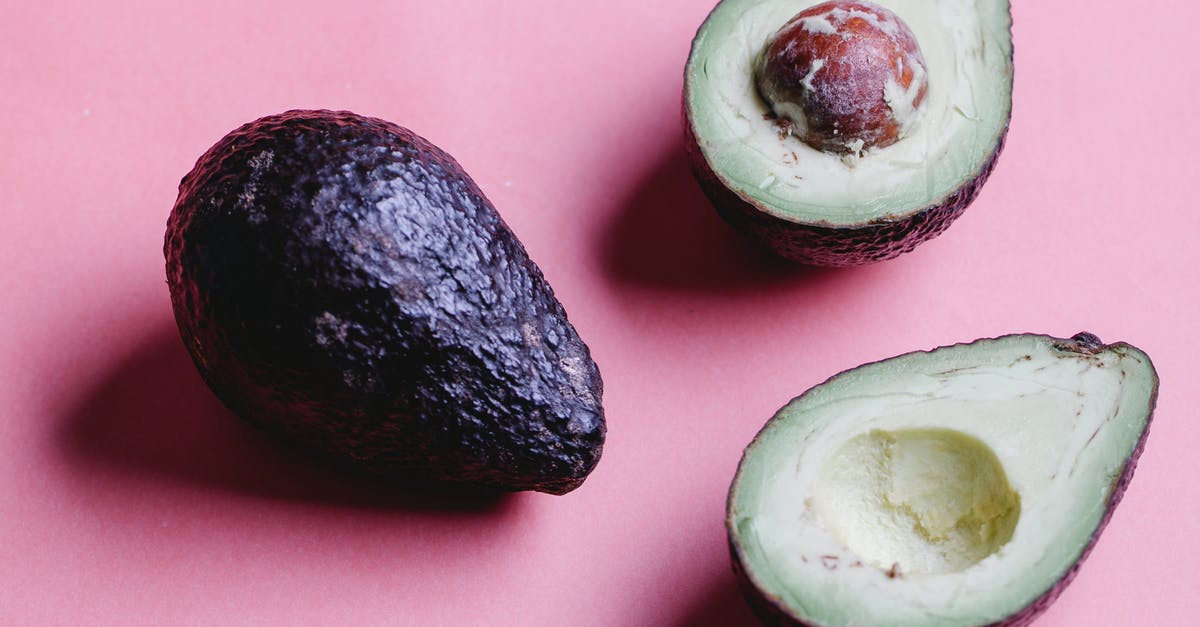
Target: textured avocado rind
771, 610
341, 281
825, 244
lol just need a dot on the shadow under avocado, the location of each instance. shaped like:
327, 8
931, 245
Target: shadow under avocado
667, 235
721, 605
152, 416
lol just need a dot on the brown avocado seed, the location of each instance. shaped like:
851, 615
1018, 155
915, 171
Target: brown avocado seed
844, 76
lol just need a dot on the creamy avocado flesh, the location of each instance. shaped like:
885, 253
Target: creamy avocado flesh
934, 500
967, 49
953, 487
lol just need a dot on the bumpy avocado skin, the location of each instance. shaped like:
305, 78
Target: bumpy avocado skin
341, 281
822, 244
771, 610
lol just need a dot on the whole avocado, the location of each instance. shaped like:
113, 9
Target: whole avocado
341, 281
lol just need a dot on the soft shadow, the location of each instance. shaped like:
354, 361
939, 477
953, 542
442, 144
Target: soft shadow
152, 417
668, 236
721, 605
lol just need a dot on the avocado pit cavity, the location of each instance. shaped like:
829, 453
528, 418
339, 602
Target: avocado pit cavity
917, 501
844, 77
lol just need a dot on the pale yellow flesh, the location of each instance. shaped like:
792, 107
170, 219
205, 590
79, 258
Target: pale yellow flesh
945, 488
917, 501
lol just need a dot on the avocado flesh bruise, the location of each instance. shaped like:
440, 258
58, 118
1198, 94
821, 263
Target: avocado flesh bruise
968, 50
955, 487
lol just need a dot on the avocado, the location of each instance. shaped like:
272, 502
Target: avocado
342, 282
845, 133
960, 486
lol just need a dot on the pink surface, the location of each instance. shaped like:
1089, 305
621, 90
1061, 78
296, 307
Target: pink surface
127, 494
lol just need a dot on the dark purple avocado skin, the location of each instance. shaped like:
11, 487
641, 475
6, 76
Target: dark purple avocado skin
771, 610
340, 281
833, 246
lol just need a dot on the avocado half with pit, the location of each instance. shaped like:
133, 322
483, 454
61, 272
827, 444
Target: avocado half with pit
845, 133
961, 486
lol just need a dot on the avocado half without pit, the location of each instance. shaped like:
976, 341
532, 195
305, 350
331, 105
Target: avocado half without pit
961, 486
844, 133
342, 282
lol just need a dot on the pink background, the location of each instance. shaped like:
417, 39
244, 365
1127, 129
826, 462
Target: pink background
127, 494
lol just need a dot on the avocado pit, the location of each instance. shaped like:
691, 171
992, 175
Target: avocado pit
843, 76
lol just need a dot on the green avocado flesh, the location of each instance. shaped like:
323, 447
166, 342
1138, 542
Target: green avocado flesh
953, 487
968, 49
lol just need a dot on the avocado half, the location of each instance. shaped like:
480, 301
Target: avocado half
837, 210
342, 282
960, 486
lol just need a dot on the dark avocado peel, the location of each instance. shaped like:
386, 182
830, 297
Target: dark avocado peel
342, 282
960, 486
856, 204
